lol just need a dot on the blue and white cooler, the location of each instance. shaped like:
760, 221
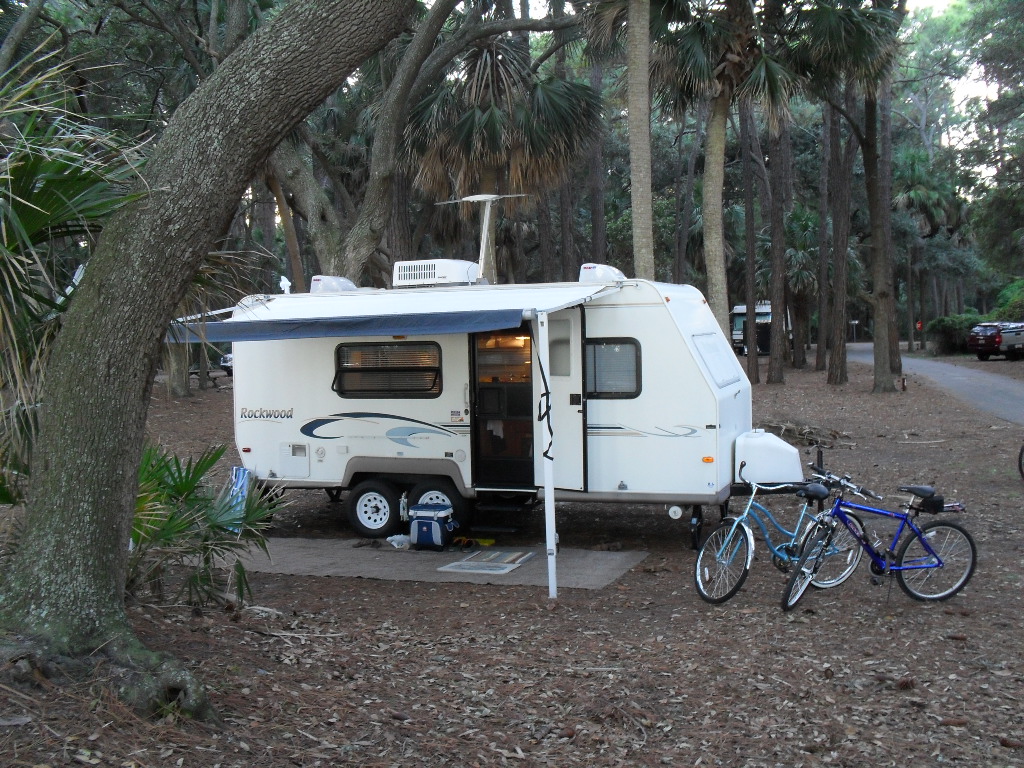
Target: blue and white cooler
431, 526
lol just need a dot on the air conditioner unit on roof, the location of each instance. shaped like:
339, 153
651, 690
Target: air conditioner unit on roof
434, 272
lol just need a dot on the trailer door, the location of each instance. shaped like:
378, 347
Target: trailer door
568, 404
503, 409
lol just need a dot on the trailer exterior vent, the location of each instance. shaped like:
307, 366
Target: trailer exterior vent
600, 273
330, 284
410, 274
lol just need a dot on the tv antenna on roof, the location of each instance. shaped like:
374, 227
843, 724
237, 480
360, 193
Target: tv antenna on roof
486, 259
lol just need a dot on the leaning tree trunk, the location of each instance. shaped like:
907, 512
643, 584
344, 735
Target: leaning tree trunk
375, 211
323, 227
65, 584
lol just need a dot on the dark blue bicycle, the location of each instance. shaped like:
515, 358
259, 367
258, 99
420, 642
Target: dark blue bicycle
930, 561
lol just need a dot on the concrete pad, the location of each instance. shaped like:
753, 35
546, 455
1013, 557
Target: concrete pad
577, 568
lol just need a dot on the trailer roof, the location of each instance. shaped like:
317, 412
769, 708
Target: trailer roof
406, 312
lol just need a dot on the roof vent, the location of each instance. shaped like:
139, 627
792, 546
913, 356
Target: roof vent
409, 274
330, 284
600, 273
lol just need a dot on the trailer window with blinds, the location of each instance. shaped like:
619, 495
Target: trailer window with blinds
392, 369
612, 368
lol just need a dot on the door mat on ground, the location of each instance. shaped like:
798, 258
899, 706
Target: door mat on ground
493, 562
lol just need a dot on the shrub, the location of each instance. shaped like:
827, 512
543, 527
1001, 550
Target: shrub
950, 332
181, 524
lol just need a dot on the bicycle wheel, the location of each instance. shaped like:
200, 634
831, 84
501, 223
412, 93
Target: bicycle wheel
723, 563
930, 581
811, 557
842, 557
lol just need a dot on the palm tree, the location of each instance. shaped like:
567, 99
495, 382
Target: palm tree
854, 45
708, 51
497, 128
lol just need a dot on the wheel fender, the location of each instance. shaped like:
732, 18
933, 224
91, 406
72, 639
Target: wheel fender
750, 542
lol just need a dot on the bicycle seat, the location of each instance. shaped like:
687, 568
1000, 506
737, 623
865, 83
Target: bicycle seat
922, 491
813, 491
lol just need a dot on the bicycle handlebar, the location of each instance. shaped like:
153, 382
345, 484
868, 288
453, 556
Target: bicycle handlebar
774, 487
831, 480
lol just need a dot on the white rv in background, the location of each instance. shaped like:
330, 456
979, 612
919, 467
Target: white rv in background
449, 391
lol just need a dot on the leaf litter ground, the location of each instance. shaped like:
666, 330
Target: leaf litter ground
347, 671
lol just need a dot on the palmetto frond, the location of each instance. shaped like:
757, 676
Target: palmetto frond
59, 178
494, 121
771, 84
843, 38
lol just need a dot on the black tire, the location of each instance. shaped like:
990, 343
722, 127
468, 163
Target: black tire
1020, 462
723, 563
811, 557
441, 490
373, 509
843, 556
954, 545
983, 356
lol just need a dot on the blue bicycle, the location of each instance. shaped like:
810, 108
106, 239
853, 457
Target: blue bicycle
930, 561
723, 562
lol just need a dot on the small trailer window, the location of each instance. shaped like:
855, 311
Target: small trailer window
718, 357
612, 368
397, 369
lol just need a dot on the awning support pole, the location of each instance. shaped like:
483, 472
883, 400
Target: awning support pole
551, 534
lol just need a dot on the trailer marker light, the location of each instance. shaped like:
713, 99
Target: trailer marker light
708, 459
247, 450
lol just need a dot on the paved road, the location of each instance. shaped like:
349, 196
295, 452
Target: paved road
1001, 396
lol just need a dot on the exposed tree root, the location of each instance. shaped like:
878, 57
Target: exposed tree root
149, 683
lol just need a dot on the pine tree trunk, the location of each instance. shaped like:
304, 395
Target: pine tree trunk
841, 171
638, 51
714, 223
686, 220
596, 183
824, 190
780, 177
750, 237
881, 264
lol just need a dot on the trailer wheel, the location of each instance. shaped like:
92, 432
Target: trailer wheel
373, 509
442, 491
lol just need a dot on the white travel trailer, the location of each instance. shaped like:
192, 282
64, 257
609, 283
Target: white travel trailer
449, 391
